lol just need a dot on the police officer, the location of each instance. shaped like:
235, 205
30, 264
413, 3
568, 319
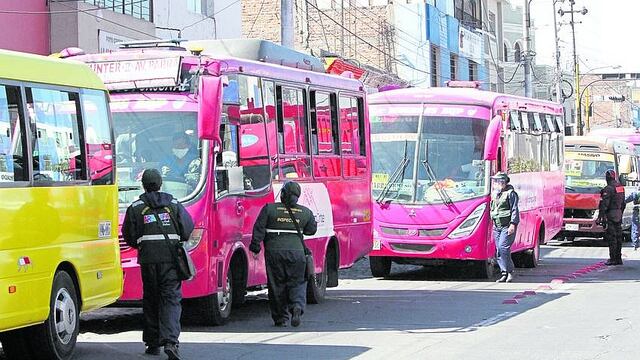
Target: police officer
612, 204
284, 253
506, 216
154, 225
634, 197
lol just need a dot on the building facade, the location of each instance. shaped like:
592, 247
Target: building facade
100, 25
422, 42
610, 100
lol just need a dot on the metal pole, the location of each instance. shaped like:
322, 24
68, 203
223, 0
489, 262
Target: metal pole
287, 23
576, 70
559, 97
528, 86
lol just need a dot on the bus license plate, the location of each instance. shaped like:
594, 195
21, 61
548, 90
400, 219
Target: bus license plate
376, 244
572, 227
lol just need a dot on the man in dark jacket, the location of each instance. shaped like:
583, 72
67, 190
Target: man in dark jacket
154, 225
506, 216
612, 204
284, 253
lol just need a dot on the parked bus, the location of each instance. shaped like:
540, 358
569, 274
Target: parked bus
59, 253
434, 151
252, 125
587, 158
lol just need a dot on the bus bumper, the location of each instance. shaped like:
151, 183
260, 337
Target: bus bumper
424, 252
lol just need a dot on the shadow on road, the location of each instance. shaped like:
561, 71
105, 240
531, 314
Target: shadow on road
211, 350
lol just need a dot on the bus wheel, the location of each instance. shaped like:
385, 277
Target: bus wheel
484, 269
317, 287
15, 345
56, 338
215, 309
529, 258
380, 266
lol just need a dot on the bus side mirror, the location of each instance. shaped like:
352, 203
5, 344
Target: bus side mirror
210, 108
492, 139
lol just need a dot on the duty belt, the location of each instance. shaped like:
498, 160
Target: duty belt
278, 232
157, 237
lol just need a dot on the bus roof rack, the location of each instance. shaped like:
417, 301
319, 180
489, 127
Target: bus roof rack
258, 50
152, 43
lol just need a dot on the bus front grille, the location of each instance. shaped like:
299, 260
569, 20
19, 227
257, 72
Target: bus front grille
420, 248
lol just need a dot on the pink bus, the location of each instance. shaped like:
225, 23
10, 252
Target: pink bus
631, 135
250, 126
434, 151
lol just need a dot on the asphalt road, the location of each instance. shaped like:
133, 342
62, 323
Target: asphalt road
580, 310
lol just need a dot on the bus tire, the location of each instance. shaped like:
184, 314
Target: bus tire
380, 266
215, 309
56, 337
484, 269
15, 345
529, 258
317, 286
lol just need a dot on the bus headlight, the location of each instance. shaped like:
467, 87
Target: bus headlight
470, 223
596, 214
194, 239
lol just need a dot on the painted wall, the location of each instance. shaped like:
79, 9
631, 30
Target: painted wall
25, 32
411, 45
224, 22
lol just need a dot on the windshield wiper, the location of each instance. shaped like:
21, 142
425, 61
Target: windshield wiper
395, 176
128, 188
569, 188
440, 190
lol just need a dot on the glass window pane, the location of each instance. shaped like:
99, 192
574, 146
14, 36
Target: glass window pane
58, 149
294, 121
98, 137
324, 120
12, 164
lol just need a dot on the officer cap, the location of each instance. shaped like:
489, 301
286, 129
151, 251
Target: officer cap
501, 176
610, 175
151, 180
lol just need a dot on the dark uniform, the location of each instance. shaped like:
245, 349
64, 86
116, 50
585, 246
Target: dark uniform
161, 287
612, 204
284, 254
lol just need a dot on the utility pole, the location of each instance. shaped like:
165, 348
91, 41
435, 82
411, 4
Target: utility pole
528, 86
559, 96
576, 66
287, 23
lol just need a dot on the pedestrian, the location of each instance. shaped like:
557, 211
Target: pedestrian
634, 197
155, 225
612, 204
285, 253
506, 216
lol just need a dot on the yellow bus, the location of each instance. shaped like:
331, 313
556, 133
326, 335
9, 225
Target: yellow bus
59, 252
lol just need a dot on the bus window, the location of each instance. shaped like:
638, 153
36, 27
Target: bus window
253, 154
227, 167
323, 122
515, 121
57, 144
536, 122
98, 137
550, 125
351, 126
559, 124
292, 109
524, 120
12, 164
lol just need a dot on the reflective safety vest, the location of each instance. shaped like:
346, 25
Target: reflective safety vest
500, 208
153, 246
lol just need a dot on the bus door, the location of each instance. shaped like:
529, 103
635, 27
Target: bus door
228, 214
628, 172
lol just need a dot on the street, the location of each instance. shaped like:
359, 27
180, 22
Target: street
423, 313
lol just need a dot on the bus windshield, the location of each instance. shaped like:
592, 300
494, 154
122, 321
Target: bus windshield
585, 174
165, 140
448, 158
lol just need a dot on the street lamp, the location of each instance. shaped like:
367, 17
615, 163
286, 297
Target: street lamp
586, 87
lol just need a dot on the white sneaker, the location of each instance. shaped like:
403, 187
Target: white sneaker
509, 277
503, 278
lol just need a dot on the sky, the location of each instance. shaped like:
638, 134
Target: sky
608, 36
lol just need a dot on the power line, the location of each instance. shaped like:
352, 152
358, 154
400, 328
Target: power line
363, 40
210, 16
256, 19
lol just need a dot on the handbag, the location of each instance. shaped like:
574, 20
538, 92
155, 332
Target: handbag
310, 269
181, 258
